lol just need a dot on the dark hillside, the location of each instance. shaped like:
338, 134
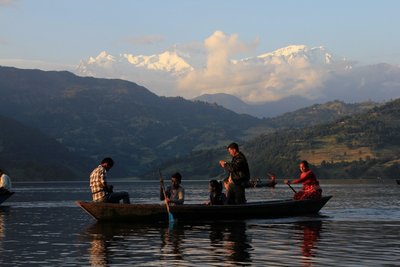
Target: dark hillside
28, 154
98, 117
365, 145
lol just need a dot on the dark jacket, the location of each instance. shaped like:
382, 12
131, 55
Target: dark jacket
238, 169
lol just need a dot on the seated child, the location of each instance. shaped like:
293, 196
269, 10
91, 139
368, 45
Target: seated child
216, 195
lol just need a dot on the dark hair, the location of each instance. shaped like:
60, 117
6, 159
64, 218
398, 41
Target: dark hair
178, 176
233, 146
109, 161
305, 163
217, 185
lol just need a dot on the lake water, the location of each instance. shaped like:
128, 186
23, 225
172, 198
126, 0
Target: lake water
40, 225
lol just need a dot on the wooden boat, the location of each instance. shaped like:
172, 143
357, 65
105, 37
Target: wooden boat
190, 212
5, 196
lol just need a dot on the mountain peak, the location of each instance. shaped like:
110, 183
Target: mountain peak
289, 50
103, 57
315, 55
168, 61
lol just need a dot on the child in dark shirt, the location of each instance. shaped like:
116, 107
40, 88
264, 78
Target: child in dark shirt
216, 195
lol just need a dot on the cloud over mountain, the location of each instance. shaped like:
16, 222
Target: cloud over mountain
296, 70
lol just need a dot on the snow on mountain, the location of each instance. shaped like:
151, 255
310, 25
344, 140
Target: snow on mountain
295, 70
293, 54
172, 63
102, 58
168, 61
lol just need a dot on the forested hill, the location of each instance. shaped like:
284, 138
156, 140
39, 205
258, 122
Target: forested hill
362, 146
319, 113
366, 145
93, 118
28, 154
106, 117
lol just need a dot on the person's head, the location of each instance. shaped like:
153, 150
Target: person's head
107, 163
176, 179
226, 183
233, 149
215, 186
1, 172
304, 166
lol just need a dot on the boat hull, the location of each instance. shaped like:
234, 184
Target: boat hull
190, 212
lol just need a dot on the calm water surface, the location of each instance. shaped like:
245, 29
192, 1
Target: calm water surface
360, 226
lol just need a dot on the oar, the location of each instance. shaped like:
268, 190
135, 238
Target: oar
170, 216
291, 188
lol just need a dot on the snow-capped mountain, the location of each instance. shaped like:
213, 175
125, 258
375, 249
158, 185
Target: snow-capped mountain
172, 63
292, 55
296, 71
169, 62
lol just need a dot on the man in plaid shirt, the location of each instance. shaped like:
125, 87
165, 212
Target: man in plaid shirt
101, 192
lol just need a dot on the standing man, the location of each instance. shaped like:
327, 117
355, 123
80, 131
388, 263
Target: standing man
239, 175
101, 191
5, 183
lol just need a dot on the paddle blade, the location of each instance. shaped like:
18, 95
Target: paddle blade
171, 218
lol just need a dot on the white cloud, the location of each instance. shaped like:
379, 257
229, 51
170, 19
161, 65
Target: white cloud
253, 82
295, 70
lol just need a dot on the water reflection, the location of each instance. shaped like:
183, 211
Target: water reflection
108, 241
4, 210
99, 235
2, 229
2, 224
233, 239
215, 242
309, 234
171, 239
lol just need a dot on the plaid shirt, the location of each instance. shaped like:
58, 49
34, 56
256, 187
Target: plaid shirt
98, 183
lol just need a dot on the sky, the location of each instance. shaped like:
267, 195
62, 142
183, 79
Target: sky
58, 34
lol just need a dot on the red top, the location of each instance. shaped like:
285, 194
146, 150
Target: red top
307, 178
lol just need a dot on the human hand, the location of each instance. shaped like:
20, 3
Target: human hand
222, 163
286, 181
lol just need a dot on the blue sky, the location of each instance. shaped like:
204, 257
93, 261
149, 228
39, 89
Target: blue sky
63, 32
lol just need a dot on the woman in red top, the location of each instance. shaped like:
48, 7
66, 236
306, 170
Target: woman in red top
311, 188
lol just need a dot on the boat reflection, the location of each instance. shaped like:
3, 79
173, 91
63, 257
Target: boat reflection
233, 239
223, 241
110, 241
